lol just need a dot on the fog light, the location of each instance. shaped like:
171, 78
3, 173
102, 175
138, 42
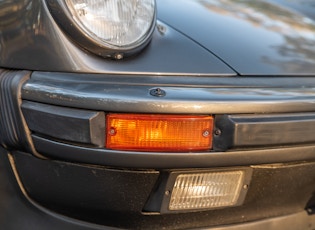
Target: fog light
206, 190
144, 132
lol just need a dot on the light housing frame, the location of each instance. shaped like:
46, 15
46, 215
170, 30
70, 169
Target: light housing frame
167, 190
65, 19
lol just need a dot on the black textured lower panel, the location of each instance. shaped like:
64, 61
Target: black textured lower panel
116, 197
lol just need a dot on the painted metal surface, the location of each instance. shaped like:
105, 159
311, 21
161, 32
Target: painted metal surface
254, 37
30, 39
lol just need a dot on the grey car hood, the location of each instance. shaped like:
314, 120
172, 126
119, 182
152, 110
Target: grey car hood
252, 37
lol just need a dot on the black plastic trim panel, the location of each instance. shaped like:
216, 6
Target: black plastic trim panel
75, 125
237, 131
145, 160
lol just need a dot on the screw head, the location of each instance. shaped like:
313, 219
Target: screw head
161, 29
205, 133
112, 131
119, 56
157, 92
217, 132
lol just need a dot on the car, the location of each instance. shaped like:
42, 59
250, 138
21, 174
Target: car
157, 114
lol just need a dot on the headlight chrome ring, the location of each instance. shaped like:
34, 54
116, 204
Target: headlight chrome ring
109, 28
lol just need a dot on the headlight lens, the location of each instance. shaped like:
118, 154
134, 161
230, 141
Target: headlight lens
114, 23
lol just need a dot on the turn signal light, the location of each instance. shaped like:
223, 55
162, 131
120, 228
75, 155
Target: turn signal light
143, 132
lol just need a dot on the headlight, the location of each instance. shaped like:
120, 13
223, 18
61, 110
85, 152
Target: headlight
106, 27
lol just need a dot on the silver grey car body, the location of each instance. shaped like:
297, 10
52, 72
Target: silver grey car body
249, 64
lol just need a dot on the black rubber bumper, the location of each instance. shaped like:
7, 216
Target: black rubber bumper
18, 212
86, 186
45, 194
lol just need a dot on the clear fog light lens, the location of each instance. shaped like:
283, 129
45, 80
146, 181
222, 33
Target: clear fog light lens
118, 23
206, 190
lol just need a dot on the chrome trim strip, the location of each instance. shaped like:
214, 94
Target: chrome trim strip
185, 95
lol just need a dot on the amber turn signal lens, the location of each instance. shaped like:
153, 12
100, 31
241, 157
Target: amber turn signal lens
143, 132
